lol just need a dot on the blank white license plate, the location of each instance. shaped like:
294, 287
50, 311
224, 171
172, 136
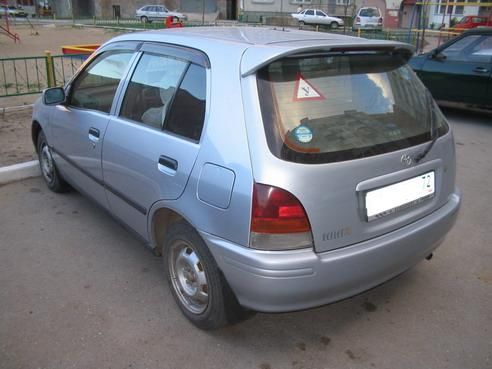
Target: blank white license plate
398, 196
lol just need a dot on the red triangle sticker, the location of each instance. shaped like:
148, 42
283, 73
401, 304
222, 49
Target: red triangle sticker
305, 90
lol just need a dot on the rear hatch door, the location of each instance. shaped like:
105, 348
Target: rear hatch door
343, 130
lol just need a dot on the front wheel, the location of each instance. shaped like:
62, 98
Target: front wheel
51, 176
196, 282
144, 19
301, 23
334, 25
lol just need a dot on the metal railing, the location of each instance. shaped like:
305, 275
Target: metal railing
31, 75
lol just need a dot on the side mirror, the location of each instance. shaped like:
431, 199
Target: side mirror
54, 96
437, 55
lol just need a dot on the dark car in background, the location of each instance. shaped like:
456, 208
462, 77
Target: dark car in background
459, 71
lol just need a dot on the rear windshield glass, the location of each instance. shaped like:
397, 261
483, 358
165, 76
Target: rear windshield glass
339, 107
369, 12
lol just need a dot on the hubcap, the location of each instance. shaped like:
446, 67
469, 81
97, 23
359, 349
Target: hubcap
47, 164
188, 277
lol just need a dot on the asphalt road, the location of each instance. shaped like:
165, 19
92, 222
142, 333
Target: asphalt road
78, 291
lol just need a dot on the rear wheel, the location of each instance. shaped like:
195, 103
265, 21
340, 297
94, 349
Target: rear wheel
334, 25
51, 176
196, 282
301, 23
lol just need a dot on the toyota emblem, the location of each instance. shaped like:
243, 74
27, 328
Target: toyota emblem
406, 160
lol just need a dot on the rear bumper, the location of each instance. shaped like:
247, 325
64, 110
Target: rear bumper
279, 281
378, 27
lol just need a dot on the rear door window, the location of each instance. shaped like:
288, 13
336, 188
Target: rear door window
151, 89
187, 114
340, 107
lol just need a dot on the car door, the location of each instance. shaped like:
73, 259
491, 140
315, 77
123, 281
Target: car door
322, 18
309, 16
152, 143
153, 13
160, 12
78, 126
460, 71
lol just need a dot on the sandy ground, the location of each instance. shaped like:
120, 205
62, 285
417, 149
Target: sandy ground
50, 37
15, 137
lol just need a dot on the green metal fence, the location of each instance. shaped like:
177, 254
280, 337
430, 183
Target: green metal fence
31, 75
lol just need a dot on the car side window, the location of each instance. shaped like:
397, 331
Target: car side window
151, 89
309, 12
96, 86
482, 51
473, 48
187, 113
320, 13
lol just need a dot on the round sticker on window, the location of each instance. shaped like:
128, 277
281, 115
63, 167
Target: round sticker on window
303, 134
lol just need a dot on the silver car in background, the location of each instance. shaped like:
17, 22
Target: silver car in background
317, 17
301, 169
368, 18
149, 13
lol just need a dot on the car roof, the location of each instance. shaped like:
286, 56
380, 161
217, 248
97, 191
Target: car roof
260, 45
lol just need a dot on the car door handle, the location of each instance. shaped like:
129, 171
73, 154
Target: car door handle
167, 165
481, 70
93, 134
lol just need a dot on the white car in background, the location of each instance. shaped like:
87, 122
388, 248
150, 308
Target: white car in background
316, 16
368, 18
149, 13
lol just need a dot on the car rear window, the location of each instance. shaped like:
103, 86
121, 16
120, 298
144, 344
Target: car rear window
369, 12
343, 106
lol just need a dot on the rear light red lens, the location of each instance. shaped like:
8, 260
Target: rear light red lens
380, 20
277, 211
357, 19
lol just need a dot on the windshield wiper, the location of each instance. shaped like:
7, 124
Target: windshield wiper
433, 127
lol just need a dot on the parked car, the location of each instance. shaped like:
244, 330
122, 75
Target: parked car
459, 71
317, 17
13, 11
368, 18
473, 21
298, 171
149, 13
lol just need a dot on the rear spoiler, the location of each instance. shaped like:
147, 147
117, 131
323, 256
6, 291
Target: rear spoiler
256, 57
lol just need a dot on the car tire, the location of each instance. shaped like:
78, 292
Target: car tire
49, 172
334, 25
301, 23
144, 19
196, 283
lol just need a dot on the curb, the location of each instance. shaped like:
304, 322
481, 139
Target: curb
20, 171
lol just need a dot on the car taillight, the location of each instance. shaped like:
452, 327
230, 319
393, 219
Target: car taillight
380, 21
278, 220
357, 19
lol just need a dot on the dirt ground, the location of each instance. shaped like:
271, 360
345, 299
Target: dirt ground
50, 37
15, 138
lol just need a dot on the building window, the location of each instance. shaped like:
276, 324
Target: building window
344, 2
262, 1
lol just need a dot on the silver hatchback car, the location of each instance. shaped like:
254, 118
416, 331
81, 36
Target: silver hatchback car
273, 170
